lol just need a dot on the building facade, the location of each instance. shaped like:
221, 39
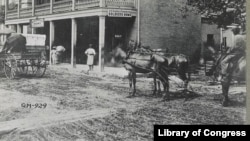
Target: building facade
105, 23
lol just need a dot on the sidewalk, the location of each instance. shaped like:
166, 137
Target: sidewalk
80, 68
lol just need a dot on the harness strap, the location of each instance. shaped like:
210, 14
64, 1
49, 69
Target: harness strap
150, 70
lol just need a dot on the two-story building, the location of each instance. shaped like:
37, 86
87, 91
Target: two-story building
104, 23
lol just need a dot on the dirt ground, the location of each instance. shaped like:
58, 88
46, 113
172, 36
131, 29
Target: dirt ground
81, 107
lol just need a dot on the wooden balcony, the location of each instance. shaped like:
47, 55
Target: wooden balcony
66, 6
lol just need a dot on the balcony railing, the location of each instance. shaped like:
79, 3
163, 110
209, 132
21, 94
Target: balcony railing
120, 3
68, 6
26, 12
86, 4
43, 9
62, 6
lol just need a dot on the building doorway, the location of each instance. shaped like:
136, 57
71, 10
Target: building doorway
63, 38
87, 33
117, 33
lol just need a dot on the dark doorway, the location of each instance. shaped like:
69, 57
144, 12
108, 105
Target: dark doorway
210, 40
87, 33
63, 37
117, 32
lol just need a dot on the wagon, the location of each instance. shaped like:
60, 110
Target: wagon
24, 61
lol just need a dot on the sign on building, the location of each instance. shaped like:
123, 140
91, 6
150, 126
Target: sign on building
119, 13
35, 39
35, 23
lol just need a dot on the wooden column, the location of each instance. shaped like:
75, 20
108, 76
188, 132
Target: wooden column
51, 6
73, 5
33, 30
6, 9
18, 28
73, 41
101, 42
33, 7
102, 3
51, 38
18, 8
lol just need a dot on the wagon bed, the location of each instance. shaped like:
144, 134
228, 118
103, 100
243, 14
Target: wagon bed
23, 64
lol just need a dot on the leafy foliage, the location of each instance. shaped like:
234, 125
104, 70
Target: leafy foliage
222, 12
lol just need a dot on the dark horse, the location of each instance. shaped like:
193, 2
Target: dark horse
236, 69
178, 63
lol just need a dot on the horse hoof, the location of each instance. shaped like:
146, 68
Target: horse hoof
225, 103
165, 99
130, 96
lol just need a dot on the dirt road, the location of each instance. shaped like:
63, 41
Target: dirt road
82, 107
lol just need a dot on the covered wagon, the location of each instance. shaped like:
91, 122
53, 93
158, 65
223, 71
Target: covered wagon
23, 55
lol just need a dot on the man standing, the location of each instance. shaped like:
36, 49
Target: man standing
90, 52
234, 53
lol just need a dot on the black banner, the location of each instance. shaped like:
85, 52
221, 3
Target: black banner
197, 132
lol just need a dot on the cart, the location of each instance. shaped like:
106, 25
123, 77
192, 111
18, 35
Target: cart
31, 62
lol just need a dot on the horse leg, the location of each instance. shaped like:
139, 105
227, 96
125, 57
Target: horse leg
225, 88
159, 87
166, 90
134, 82
155, 85
130, 82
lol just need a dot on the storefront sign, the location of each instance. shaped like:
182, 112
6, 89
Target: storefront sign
35, 39
37, 23
119, 13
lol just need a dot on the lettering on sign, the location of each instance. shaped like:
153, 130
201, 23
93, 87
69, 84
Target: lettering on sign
37, 23
119, 13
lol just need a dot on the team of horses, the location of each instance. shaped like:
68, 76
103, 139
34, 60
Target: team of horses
139, 59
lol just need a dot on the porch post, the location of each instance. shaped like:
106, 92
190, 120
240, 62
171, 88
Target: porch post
33, 30
18, 28
18, 8
6, 9
101, 42
73, 5
51, 6
138, 20
102, 3
33, 7
73, 41
51, 38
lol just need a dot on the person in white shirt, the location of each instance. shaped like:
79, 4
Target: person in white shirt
90, 52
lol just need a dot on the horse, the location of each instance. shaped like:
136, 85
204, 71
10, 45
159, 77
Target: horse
141, 59
178, 63
142, 62
236, 69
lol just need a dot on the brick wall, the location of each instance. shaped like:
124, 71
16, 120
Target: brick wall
163, 25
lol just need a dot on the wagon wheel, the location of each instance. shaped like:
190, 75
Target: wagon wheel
41, 68
22, 67
10, 66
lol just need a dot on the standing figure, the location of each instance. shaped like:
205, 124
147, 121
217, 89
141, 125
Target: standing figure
234, 53
90, 52
60, 50
53, 56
